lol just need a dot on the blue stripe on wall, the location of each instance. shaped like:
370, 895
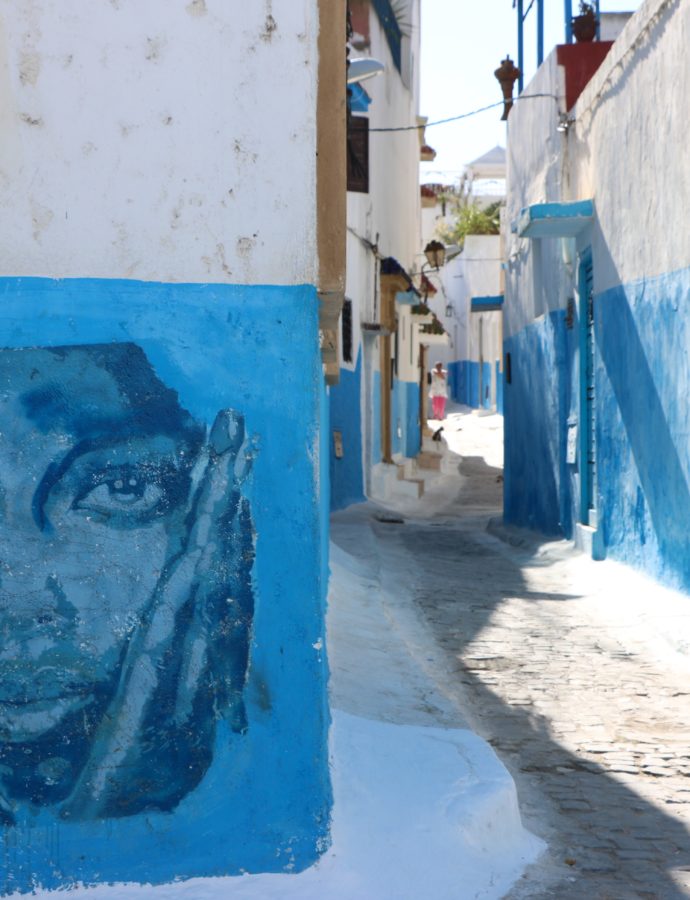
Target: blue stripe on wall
264, 803
347, 482
405, 416
485, 399
642, 388
536, 487
473, 399
642, 333
413, 436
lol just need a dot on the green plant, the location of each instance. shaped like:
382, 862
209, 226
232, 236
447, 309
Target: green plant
472, 219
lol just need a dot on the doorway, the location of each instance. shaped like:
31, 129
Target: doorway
588, 448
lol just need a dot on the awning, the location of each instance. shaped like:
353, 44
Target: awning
487, 304
407, 298
544, 220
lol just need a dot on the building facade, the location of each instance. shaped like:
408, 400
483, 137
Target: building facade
173, 248
597, 290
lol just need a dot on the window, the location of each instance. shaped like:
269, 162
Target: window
346, 331
358, 154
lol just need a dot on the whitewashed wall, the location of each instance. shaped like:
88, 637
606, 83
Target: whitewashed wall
391, 209
635, 102
638, 100
158, 140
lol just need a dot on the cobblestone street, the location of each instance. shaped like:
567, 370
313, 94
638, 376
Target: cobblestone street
591, 722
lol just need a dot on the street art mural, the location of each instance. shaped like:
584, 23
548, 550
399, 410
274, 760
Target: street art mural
163, 709
126, 598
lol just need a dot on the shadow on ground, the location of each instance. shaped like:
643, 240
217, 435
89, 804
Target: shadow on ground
605, 840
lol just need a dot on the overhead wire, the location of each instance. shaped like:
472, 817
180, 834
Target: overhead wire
467, 115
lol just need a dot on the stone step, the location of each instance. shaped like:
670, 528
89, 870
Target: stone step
411, 487
428, 460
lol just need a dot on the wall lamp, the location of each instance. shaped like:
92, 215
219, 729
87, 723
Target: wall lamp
564, 122
435, 254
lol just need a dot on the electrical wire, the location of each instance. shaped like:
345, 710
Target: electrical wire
467, 115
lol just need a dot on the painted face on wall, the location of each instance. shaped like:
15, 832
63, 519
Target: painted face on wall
125, 596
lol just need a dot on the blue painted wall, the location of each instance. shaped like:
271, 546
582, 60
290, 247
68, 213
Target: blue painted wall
162, 699
642, 380
347, 482
643, 383
499, 388
472, 383
536, 483
405, 416
485, 399
464, 382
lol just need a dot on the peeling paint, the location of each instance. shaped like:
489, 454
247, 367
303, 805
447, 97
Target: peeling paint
270, 27
245, 245
35, 122
41, 217
154, 46
29, 68
197, 8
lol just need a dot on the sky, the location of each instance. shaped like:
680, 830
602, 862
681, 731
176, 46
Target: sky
462, 44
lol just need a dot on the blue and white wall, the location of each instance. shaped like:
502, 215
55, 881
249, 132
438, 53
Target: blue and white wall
162, 671
473, 358
627, 152
385, 222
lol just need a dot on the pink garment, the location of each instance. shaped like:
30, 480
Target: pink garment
438, 405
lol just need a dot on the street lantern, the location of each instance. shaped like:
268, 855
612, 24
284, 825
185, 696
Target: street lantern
449, 310
435, 253
506, 75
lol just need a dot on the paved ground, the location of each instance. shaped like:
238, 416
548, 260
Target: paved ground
592, 724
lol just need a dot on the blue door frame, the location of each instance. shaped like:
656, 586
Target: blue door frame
588, 454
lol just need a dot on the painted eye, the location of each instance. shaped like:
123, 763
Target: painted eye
128, 493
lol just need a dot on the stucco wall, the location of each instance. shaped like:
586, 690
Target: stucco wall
625, 149
164, 449
163, 597
384, 222
146, 140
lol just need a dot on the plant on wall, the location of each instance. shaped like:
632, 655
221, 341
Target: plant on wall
472, 218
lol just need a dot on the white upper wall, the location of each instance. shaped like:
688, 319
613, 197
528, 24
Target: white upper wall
629, 146
168, 140
391, 209
626, 149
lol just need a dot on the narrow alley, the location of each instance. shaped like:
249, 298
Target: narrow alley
579, 686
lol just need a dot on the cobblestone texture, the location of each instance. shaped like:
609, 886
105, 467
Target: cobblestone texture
595, 732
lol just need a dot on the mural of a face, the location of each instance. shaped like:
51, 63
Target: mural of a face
126, 604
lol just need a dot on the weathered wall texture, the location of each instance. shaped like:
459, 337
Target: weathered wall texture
381, 223
162, 702
626, 149
147, 140
163, 468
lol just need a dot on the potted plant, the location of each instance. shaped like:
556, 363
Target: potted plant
584, 25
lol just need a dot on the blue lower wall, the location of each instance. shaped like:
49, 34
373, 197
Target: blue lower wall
642, 382
157, 458
347, 483
463, 377
643, 436
499, 389
406, 438
536, 485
